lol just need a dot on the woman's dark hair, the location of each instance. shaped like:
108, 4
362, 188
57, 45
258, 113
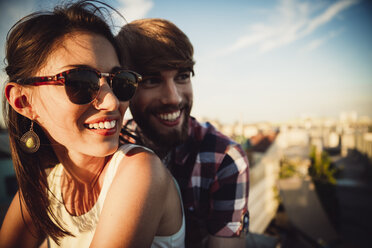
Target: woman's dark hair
29, 43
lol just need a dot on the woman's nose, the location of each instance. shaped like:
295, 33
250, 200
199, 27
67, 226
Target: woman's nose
106, 98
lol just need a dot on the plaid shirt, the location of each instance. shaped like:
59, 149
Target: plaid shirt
213, 174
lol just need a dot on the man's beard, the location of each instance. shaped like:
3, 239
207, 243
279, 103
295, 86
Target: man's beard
152, 138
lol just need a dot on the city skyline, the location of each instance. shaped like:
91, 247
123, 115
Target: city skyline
261, 60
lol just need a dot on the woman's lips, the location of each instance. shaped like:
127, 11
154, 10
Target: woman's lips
107, 127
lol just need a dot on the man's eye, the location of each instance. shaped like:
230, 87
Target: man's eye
150, 81
183, 77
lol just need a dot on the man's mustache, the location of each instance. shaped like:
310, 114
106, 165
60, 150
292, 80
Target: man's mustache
169, 108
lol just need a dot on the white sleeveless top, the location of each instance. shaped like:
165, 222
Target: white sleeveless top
84, 226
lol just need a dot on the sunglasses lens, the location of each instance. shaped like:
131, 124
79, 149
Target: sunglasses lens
124, 85
82, 86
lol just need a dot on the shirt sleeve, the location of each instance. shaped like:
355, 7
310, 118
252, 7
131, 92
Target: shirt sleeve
228, 215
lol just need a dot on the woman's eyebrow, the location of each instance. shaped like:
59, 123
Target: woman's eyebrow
66, 67
84, 66
116, 69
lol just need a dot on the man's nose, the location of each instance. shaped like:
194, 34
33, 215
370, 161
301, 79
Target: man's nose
170, 93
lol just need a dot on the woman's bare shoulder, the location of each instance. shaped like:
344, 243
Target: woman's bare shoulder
144, 163
134, 204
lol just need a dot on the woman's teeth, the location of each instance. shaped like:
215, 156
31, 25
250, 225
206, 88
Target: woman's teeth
102, 125
170, 116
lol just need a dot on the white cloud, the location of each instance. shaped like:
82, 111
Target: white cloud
314, 44
328, 15
289, 22
134, 9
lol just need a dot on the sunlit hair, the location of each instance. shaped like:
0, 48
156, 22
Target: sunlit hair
29, 43
152, 45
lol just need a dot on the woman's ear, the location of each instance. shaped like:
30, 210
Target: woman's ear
19, 98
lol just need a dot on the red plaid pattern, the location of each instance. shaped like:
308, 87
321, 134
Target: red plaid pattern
213, 174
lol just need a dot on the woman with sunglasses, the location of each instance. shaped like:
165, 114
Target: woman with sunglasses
64, 102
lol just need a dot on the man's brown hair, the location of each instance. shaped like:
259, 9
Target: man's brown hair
152, 45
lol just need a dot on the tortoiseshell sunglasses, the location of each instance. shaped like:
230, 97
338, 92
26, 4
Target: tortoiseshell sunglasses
82, 85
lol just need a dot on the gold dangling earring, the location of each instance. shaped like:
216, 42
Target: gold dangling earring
30, 141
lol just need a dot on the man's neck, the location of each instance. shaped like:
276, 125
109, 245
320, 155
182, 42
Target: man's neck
159, 149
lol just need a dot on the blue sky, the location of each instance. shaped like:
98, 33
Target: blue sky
262, 60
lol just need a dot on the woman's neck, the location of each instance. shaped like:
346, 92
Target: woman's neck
81, 180
80, 167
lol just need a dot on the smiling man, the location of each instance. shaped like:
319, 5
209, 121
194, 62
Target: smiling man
211, 169
162, 108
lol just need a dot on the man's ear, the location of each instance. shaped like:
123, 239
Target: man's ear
19, 98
